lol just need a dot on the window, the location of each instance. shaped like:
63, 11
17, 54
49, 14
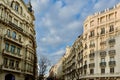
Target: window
14, 35
92, 44
111, 28
11, 64
111, 70
6, 46
91, 33
111, 58
102, 19
102, 70
111, 16
91, 71
8, 33
102, 59
85, 46
92, 51
84, 71
5, 62
17, 64
18, 51
12, 49
16, 7
102, 30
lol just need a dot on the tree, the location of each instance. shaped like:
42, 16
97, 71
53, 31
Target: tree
42, 66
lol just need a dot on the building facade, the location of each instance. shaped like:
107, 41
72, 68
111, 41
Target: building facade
18, 60
101, 36
73, 61
95, 54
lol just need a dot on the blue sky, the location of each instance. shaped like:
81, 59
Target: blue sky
59, 22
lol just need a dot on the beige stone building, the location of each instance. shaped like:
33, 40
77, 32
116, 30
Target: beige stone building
72, 62
95, 54
18, 60
101, 36
59, 69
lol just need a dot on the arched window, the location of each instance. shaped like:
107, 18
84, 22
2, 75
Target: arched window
14, 35
8, 33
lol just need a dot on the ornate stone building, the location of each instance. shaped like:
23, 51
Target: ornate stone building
18, 60
95, 55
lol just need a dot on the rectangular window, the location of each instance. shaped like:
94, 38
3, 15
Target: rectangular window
5, 62
14, 35
111, 28
17, 64
102, 30
102, 59
12, 49
18, 51
91, 71
84, 71
112, 59
92, 33
11, 64
16, 7
102, 70
6, 46
111, 70
8, 33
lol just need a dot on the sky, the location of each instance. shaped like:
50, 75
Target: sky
59, 22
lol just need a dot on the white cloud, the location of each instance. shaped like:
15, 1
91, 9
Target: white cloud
57, 23
102, 4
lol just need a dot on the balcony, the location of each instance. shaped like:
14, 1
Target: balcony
103, 43
91, 65
10, 68
112, 52
103, 53
112, 63
8, 53
91, 55
112, 41
103, 64
15, 27
9, 38
91, 45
